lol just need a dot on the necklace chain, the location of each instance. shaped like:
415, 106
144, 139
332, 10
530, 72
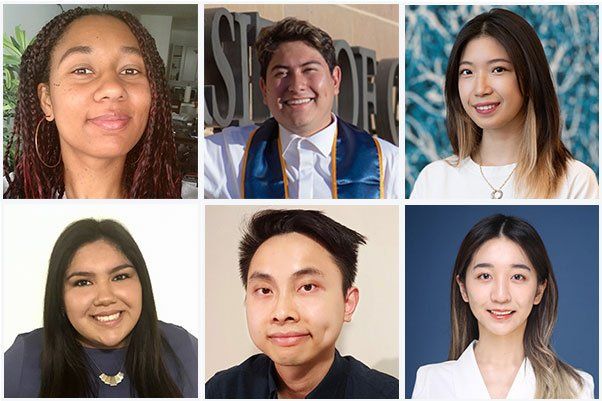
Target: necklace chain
496, 193
113, 380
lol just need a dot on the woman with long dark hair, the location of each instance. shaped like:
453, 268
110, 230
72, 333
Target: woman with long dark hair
503, 120
101, 336
93, 117
504, 304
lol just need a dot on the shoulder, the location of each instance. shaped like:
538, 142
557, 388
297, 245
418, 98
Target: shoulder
581, 180
189, 190
432, 379
587, 390
22, 365
369, 383
387, 147
434, 174
177, 336
236, 381
230, 136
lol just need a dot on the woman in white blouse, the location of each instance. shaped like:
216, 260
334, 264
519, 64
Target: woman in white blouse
503, 120
504, 305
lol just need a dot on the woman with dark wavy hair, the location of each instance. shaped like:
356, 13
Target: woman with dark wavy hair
504, 305
93, 116
101, 336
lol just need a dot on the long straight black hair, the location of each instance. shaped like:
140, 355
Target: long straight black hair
65, 368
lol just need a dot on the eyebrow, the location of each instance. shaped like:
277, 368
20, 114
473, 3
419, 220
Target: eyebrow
490, 266
286, 67
495, 60
308, 271
89, 274
88, 50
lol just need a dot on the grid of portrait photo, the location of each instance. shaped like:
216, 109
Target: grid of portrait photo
338, 225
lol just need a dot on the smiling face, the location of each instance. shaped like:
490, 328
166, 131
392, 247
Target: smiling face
299, 89
488, 86
294, 301
501, 288
98, 92
102, 295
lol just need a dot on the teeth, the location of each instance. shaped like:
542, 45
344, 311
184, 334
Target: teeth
498, 313
485, 108
299, 101
108, 318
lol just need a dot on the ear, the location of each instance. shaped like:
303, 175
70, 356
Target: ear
45, 101
352, 298
462, 288
541, 288
263, 89
336, 78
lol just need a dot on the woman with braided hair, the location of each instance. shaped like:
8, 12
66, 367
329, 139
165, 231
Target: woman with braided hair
93, 117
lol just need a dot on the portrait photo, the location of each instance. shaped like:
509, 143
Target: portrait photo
501, 102
100, 101
301, 292
88, 305
501, 301
304, 104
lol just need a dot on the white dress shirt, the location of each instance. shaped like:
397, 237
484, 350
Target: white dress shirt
308, 163
442, 180
462, 379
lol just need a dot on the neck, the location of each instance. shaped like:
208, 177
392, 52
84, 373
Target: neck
500, 147
307, 133
93, 178
507, 350
299, 381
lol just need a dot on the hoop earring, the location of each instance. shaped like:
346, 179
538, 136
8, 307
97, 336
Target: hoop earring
38, 151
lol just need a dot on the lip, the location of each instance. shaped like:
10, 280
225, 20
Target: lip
288, 339
501, 314
486, 108
298, 102
108, 314
114, 121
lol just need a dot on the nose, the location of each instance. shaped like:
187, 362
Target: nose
482, 85
500, 292
111, 88
285, 309
104, 294
297, 82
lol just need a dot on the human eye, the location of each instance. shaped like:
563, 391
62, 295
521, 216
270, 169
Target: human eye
308, 288
82, 71
82, 283
465, 72
280, 73
131, 71
519, 277
262, 291
121, 277
484, 276
499, 69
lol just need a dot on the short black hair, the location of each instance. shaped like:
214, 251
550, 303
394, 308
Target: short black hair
341, 242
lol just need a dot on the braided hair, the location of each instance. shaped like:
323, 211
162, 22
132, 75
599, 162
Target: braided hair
150, 170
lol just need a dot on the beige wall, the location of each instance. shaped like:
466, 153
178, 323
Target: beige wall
375, 26
372, 336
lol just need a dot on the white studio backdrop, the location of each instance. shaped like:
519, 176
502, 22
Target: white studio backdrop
167, 235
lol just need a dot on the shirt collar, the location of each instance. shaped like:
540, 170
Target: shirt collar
333, 385
321, 140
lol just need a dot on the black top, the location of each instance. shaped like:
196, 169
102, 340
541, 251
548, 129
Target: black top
346, 378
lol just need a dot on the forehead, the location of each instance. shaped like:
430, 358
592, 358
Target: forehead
501, 252
283, 255
295, 52
484, 48
96, 30
97, 255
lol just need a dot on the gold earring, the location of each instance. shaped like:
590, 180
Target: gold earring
38, 151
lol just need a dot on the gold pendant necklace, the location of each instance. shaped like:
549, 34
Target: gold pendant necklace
496, 193
111, 380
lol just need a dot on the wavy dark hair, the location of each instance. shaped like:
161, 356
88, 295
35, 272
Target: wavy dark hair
150, 170
65, 368
553, 377
543, 158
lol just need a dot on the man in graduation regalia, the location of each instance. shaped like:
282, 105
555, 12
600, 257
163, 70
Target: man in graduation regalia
304, 150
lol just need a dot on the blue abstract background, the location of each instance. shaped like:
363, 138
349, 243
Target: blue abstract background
569, 35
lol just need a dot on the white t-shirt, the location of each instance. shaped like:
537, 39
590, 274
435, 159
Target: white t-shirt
441, 180
307, 163
462, 379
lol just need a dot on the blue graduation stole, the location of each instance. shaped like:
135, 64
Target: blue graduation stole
357, 174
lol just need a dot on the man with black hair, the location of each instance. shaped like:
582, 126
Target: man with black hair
298, 268
304, 150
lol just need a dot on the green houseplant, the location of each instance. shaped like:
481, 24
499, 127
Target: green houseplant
14, 47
